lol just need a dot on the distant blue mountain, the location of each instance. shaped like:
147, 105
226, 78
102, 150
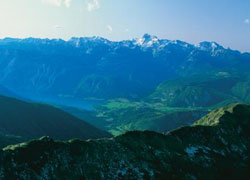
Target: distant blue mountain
98, 68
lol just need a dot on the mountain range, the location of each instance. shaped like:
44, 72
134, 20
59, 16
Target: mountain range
146, 108
98, 68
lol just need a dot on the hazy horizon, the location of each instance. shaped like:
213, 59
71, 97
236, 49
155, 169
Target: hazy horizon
224, 22
66, 40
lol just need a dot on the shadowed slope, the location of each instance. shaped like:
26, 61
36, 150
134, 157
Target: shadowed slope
31, 120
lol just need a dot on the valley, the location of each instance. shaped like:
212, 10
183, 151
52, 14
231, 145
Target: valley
157, 84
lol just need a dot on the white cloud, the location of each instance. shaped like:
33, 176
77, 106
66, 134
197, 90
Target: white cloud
57, 26
110, 29
247, 21
58, 3
93, 5
67, 3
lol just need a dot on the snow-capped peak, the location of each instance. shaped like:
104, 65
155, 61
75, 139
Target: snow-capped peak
147, 40
209, 46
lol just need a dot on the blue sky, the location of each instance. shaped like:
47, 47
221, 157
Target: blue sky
224, 21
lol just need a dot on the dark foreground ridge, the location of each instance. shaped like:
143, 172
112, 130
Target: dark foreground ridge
22, 121
215, 147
